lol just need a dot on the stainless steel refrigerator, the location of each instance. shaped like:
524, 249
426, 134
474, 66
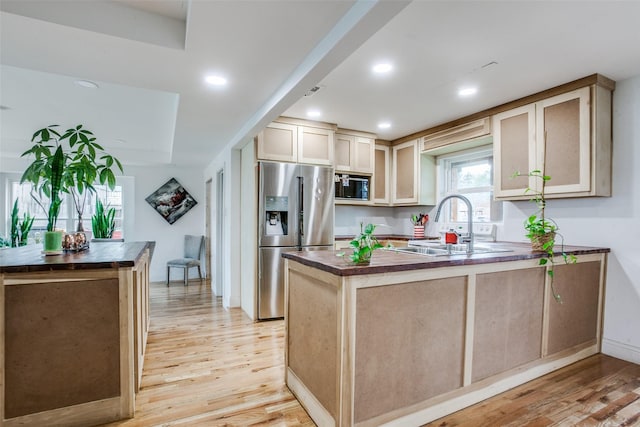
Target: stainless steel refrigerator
296, 212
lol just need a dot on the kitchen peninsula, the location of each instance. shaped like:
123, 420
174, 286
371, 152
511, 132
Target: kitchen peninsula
73, 332
411, 338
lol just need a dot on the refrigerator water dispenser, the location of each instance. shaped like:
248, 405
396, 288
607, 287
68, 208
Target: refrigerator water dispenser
276, 209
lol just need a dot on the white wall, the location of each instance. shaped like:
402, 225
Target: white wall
248, 233
227, 161
149, 225
612, 222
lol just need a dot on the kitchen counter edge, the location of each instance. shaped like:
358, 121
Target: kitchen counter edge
28, 259
386, 261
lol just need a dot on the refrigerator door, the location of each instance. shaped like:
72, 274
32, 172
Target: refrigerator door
316, 224
271, 282
277, 204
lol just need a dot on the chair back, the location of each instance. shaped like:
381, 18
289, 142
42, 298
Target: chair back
193, 246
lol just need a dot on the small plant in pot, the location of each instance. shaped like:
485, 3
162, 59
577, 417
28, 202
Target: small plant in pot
103, 223
543, 231
364, 244
20, 229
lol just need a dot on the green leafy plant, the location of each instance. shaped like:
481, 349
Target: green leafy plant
364, 244
67, 163
20, 229
543, 231
103, 223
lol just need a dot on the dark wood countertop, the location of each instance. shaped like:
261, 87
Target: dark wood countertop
385, 261
100, 255
382, 237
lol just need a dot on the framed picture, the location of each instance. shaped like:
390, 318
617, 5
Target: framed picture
171, 201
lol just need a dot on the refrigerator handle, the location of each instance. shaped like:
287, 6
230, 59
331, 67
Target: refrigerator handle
300, 210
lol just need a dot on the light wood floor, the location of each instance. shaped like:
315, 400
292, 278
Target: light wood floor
207, 366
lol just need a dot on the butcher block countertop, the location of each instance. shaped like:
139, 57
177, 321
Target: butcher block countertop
387, 261
29, 258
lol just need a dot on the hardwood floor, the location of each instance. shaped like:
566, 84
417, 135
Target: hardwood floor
207, 366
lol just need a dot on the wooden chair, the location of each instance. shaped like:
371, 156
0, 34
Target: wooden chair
192, 250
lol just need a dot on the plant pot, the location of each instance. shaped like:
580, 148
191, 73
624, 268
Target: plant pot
418, 231
539, 240
52, 242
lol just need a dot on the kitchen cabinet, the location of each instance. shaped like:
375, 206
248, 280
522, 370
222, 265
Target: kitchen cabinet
297, 142
456, 138
440, 334
568, 136
381, 174
73, 333
354, 152
412, 175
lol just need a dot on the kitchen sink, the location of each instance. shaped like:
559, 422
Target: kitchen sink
446, 250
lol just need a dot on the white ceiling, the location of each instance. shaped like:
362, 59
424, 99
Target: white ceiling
150, 57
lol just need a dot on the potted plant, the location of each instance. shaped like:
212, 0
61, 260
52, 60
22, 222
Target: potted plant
67, 163
542, 231
103, 223
20, 229
364, 244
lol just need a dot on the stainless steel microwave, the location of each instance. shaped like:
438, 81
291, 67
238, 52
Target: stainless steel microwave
352, 187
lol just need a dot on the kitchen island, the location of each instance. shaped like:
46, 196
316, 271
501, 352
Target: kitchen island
73, 331
411, 338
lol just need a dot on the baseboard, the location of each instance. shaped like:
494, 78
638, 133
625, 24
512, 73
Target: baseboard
620, 350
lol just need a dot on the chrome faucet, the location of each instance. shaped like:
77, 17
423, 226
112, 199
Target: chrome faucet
468, 239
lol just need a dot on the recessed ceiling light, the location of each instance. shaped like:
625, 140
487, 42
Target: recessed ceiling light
383, 67
313, 113
467, 91
384, 125
215, 80
87, 83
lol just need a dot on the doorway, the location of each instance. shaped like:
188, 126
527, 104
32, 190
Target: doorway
220, 219
207, 228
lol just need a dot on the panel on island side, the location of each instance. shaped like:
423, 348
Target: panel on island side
409, 344
62, 344
575, 321
313, 342
508, 320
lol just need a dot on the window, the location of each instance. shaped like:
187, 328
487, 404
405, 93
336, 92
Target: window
68, 216
469, 173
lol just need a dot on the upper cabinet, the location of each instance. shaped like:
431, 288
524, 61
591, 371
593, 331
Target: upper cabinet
297, 142
381, 174
567, 136
456, 138
354, 152
279, 142
412, 175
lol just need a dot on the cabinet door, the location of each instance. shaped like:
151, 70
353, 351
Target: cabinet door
577, 320
563, 138
405, 173
514, 150
278, 141
344, 152
381, 175
315, 146
363, 154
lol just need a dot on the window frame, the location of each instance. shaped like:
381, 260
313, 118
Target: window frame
445, 185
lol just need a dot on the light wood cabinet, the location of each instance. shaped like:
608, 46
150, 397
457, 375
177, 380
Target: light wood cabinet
456, 138
567, 136
412, 175
354, 152
279, 142
405, 173
439, 338
315, 145
381, 174
298, 142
